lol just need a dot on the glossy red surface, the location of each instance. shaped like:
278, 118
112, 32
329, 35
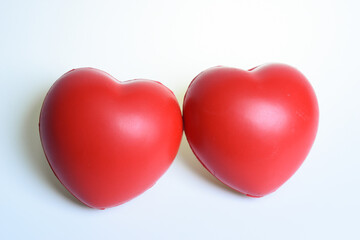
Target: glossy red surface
109, 141
251, 129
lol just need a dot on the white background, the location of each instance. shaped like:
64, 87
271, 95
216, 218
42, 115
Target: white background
171, 42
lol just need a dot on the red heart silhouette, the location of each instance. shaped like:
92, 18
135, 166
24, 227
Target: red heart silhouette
251, 129
109, 141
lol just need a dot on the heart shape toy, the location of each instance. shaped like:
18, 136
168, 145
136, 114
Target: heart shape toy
109, 141
251, 129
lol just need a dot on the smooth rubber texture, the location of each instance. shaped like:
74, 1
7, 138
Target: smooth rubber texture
109, 141
251, 129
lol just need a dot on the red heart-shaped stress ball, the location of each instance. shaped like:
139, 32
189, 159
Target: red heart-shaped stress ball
251, 129
109, 141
